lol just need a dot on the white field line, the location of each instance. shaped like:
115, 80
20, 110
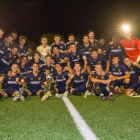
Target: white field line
81, 125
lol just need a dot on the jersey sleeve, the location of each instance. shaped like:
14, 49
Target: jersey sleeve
81, 53
53, 76
26, 78
43, 79
86, 73
125, 69
107, 75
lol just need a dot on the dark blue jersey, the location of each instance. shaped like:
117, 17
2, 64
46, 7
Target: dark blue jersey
117, 50
60, 80
78, 57
106, 50
119, 71
5, 60
15, 44
62, 47
11, 84
86, 50
101, 77
101, 59
33, 61
68, 45
58, 59
3, 48
80, 81
34, 82
134, 73
23, 51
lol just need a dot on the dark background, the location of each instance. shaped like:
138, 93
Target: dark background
33, 18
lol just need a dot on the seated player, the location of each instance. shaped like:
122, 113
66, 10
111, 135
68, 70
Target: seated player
80, 81
121, 72
62, 46
34, 81
86, 46
22, 47
103, 83
59, 57
36, 59
30, 53
116, 49
76, 55
71, 39
134, 79
4, 46
61, 80
103, 47
94, 59
8, 58
12, 85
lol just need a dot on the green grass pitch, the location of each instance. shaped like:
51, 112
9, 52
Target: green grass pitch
50, 120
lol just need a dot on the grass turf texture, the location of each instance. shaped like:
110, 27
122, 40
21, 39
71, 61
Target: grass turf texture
111, 120
36, 120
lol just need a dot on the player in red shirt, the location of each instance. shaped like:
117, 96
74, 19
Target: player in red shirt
131, 46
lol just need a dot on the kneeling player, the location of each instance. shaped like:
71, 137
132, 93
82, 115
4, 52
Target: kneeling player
103, 83
133, 83
12, 85
80, 81
34, 81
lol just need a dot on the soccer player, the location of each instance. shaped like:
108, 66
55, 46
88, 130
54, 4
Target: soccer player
12, 85
1, 33
96, 58
103, 83
22, 47
14, 43
34, 81
80, 81
58, 42
44, 48
116, 49
36, 59
4, 46
134, 79
47, 68
76, 55
86, 46
71, 39
121, 72
92, 40
131, 46
59, 57
30, 53
103, 47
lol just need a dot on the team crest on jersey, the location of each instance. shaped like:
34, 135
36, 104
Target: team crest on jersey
72, 58
83, 49
81, 77
24, 51
3, 48
4, 56
78, 56
63, 76
99, 62
25, 69
104, 51
119, 47
131, 68
31, 78
112, 47
96, 77
56, 77
10, 61
102, 77
39, 65
91, 63
9, 78
113, 69
119, 70
89, 49
39, 78
97, 87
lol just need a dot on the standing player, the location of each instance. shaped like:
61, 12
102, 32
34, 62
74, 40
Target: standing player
134, 79
76, 56
34, 81
14, 43
103, 83
36, 59
116, 49
62, 46
86, 46
22, 47
44, 48
12, 85
92, 40
131, 46
121, 72
71, 39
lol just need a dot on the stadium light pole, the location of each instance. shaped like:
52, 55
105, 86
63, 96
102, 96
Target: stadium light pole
126, 28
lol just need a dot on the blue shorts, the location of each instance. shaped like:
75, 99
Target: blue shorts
34, 92
10, 92
133, 84
61, 89
119, 82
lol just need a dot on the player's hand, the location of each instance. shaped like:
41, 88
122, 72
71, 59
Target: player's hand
110, 43
17, 79
118, 78
1, 78
47, 72
135, 63
9, 73
92, 72
66, 60
19, 54
108, 82
82, 71
100, 51
22, 81
65, 68
104, 81
62, 61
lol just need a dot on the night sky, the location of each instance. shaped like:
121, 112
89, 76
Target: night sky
32, 18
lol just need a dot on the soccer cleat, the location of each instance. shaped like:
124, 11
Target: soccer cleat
116, 90
45, 96
58, 95
111, 98
65, 94
103, 98
133, 93
21, 97
86, 94
17, 94
119, 90
124, 91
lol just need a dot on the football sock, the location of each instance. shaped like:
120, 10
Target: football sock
25, 94
97, 88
